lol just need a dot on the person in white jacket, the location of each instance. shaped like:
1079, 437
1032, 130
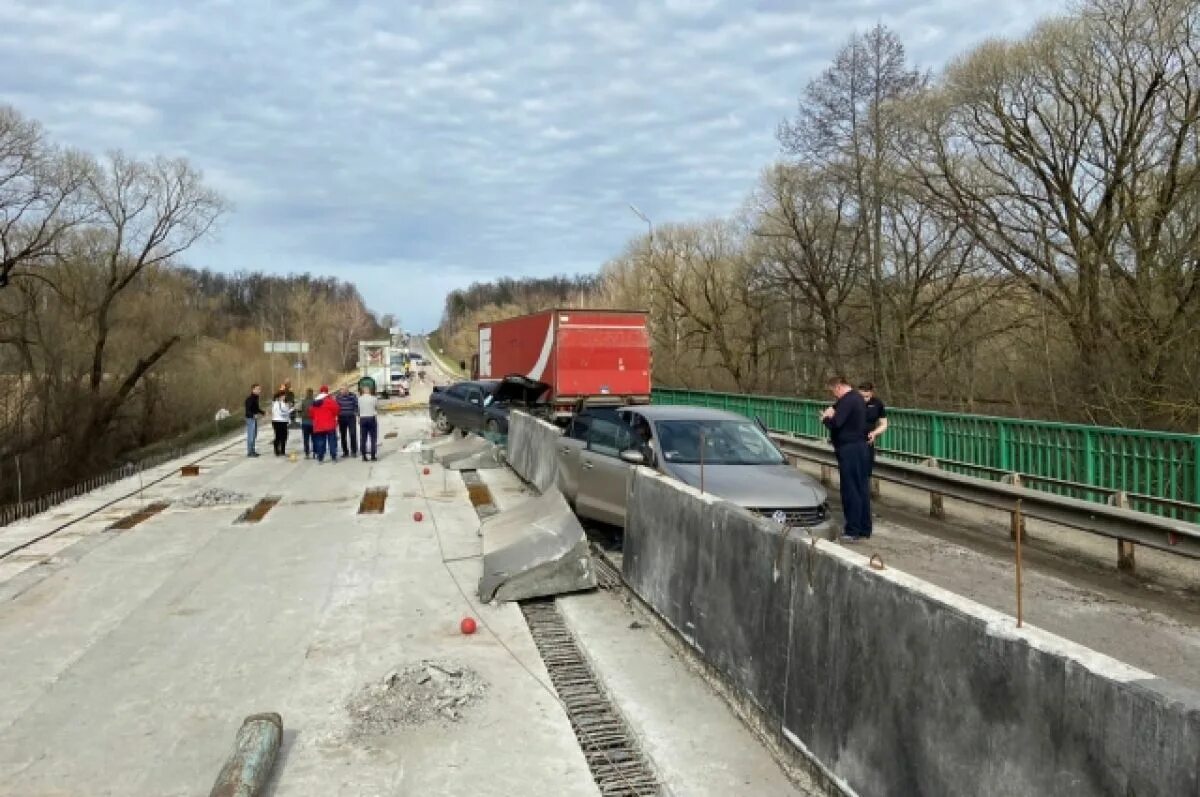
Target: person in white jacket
281, 416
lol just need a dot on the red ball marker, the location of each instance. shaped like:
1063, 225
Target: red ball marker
417, 516
467, 626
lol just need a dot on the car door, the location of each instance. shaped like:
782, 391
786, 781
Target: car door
603, 476
452, 405
569, 447
472, 411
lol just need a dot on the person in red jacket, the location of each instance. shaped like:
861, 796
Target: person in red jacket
324, 414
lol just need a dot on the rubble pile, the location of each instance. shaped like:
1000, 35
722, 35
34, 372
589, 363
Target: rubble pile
214, 496
425, 692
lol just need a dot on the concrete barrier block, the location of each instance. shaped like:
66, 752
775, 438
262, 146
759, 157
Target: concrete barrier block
532, 449
487, 458
893, 685
535, 549
455, 448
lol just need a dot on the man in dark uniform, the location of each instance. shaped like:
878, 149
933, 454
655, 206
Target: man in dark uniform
877, 422
847, 424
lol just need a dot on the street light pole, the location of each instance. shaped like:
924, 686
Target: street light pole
642, 216
649, 255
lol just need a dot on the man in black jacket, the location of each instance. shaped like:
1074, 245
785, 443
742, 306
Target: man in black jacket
847, 424
253, 413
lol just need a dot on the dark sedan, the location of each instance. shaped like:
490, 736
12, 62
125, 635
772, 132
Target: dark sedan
483, 406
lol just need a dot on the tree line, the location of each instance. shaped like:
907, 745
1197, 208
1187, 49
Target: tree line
1016, 234
108, 342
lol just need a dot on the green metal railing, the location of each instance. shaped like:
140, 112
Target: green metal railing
1158, 471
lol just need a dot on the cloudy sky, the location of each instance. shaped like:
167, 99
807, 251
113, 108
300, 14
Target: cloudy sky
413, 147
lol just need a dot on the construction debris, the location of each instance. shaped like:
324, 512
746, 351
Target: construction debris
214, 496
421, 693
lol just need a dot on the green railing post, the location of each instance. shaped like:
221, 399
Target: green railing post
937, 438
1089, 461
1005, 459
1195, 496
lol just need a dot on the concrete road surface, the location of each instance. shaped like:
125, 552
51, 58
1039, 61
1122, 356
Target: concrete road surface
127, 670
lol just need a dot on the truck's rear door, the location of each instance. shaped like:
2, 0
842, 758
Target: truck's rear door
602, 354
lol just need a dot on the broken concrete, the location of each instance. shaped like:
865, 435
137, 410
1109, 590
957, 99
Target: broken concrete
450, 449
535, 549
488, 458
214, 496
429, 691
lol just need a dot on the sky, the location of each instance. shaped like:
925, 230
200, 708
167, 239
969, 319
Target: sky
415, 147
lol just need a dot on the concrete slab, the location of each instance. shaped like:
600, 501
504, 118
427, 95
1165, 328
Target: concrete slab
697, 744
534, 549
129, 671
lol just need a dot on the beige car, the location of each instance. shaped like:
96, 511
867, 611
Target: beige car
601, 447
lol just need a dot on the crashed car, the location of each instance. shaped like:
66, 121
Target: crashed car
732, 454
483, 406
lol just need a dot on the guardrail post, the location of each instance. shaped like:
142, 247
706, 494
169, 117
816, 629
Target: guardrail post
1125, 548
1019, 520
1016, 528
936, 507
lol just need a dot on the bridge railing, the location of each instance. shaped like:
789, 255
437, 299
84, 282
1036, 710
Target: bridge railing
1158, 472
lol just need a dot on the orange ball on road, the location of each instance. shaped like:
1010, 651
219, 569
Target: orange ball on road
467, 626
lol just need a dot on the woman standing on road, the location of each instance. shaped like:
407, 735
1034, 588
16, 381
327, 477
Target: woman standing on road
324, 414
281, 416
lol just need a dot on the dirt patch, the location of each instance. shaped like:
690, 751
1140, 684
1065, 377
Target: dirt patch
373, 501
259, 510
480, 494
429, 691
129, 521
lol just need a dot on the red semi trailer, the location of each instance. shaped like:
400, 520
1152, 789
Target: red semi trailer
578, 353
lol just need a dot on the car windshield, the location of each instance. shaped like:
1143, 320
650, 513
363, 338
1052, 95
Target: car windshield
724, 443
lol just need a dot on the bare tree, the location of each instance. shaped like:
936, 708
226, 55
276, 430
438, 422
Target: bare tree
811, 239
845, 126
1072, 158
39, 192
149, 212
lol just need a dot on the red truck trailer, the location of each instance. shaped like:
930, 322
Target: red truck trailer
578, 353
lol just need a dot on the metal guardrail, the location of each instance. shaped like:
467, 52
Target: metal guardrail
1158, 471
11, 513
1153, 531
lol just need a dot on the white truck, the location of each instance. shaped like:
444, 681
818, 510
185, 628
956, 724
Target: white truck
375, 363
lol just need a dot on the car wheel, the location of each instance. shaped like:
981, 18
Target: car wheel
442, 423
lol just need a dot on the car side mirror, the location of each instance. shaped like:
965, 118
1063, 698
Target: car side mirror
633, 456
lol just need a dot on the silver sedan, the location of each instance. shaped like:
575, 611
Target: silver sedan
601, 447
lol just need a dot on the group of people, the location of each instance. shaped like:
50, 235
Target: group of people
855, 421
322, 416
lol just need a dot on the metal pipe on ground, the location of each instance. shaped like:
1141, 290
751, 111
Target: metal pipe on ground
248, 767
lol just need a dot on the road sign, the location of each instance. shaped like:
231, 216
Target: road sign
285, 347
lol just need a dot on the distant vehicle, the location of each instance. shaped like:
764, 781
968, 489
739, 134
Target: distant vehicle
375, 362
602, 445
483, 406
578, 353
